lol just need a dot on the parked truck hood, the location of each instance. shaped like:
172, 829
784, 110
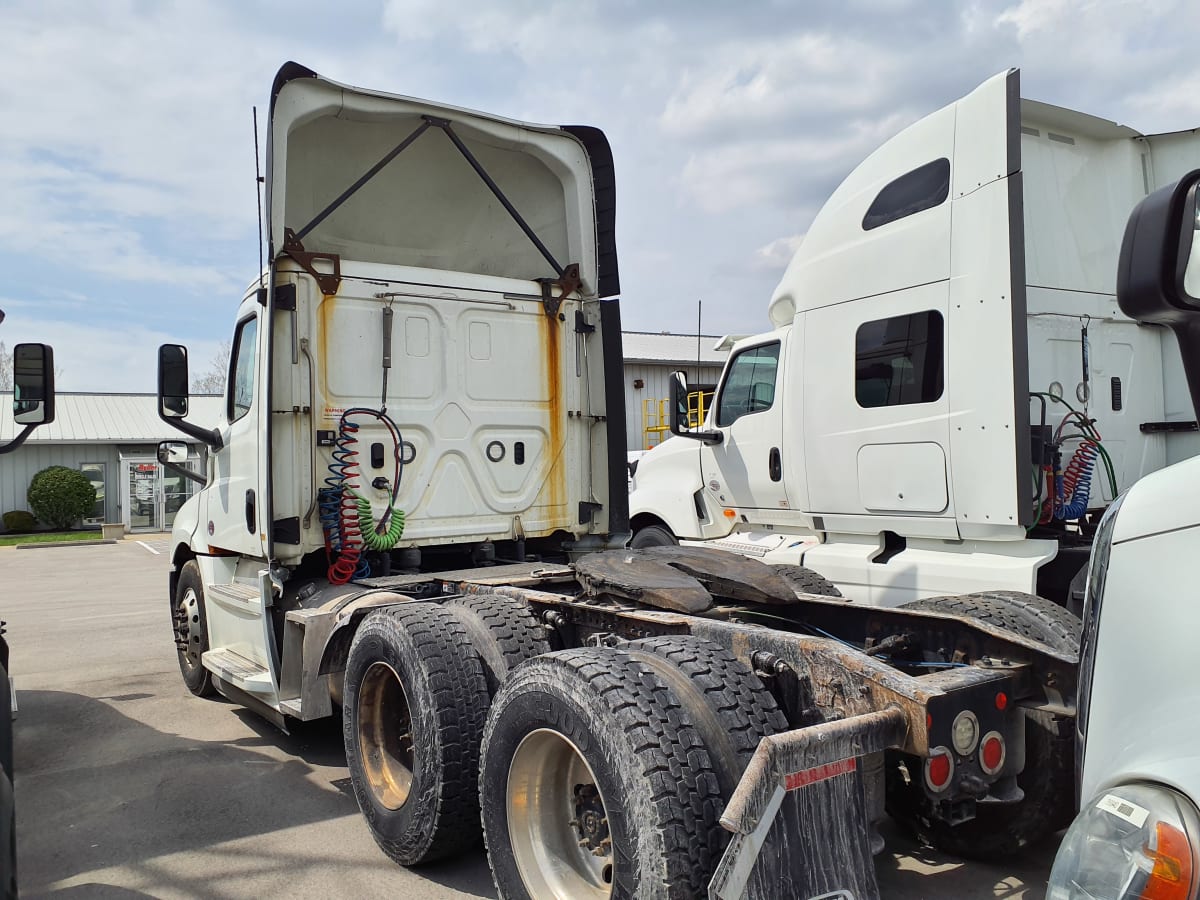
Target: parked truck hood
372, 177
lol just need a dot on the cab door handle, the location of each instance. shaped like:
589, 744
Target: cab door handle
775, 465
250, 513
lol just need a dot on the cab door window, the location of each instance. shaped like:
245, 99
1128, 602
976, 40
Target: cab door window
241, 368
749, 384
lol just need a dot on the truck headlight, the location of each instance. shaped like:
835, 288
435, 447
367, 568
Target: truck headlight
1133, 842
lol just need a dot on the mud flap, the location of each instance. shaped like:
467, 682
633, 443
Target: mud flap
799, 817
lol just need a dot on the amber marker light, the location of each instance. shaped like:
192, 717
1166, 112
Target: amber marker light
1171, 877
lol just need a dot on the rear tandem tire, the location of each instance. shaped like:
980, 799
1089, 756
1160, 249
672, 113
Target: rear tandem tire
806, 581
503, 630
590, 750
191, 629
653, 536
412, 718
1048, 779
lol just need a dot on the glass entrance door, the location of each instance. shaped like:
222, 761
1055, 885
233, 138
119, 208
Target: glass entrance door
151, 495
142, 495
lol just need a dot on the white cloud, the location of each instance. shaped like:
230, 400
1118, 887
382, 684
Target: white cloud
91, 358
776, 255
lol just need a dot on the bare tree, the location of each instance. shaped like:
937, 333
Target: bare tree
213, 380
6, 368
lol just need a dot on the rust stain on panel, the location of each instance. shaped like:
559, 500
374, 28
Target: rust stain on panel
325, 313
550, 333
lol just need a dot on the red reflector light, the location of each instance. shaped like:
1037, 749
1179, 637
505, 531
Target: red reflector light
1002, 701
938, 769
991, 753
928, 721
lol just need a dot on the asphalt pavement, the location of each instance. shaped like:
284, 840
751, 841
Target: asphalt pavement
127, 786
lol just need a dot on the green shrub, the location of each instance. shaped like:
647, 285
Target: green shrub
60, 496
19, 520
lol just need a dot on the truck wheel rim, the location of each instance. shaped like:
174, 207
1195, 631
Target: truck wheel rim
188, 628
557, 820
385, 736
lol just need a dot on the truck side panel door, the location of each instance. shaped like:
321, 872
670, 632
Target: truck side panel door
745, 470
235, 503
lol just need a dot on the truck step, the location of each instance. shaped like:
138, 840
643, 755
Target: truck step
242, 596
291, 708
238, 671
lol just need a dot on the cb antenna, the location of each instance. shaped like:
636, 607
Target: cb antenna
699, 312
258, 180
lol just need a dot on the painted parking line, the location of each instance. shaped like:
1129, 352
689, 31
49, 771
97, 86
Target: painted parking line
148, 547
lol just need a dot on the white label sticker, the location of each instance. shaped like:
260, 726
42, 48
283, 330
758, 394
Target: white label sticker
1123, 809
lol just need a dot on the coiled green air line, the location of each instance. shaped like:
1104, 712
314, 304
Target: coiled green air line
372, 535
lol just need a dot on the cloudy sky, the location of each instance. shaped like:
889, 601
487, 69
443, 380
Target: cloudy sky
127, 194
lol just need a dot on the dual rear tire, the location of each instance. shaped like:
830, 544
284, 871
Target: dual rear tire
605, 771
600, 771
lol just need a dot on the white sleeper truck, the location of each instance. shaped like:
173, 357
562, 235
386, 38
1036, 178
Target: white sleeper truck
414, 515
950, 395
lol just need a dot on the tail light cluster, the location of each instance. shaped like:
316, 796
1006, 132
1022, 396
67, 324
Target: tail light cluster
965, 738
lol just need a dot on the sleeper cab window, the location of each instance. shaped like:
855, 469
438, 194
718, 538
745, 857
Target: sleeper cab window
749, 385
922, 188
899, 361
241, 367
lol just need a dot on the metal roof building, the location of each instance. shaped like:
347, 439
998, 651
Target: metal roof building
111, 438
649, 361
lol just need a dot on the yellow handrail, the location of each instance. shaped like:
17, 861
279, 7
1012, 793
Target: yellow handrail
655, 423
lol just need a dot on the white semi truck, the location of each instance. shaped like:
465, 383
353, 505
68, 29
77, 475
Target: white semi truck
413, 518
1138, 832
950, 395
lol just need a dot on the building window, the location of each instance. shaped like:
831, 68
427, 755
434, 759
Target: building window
241, 366
95, 473
920, 189
898, 361
749, 384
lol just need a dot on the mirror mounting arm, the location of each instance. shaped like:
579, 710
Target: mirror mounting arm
17, 441
210, 436
185, 472
705, 437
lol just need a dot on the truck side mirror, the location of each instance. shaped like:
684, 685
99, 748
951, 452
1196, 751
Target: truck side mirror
172, 381
1158, 275
679, 411
679, 419
172, 452
173, 396
33, 384
174, 455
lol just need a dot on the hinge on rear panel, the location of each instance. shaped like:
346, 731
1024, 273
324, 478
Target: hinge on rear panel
285, 296
567, 283
587, 509
581, 324
328, 282
286, 531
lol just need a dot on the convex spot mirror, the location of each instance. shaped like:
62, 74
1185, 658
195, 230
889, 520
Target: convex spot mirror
172, 452
172, 381
33, 384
